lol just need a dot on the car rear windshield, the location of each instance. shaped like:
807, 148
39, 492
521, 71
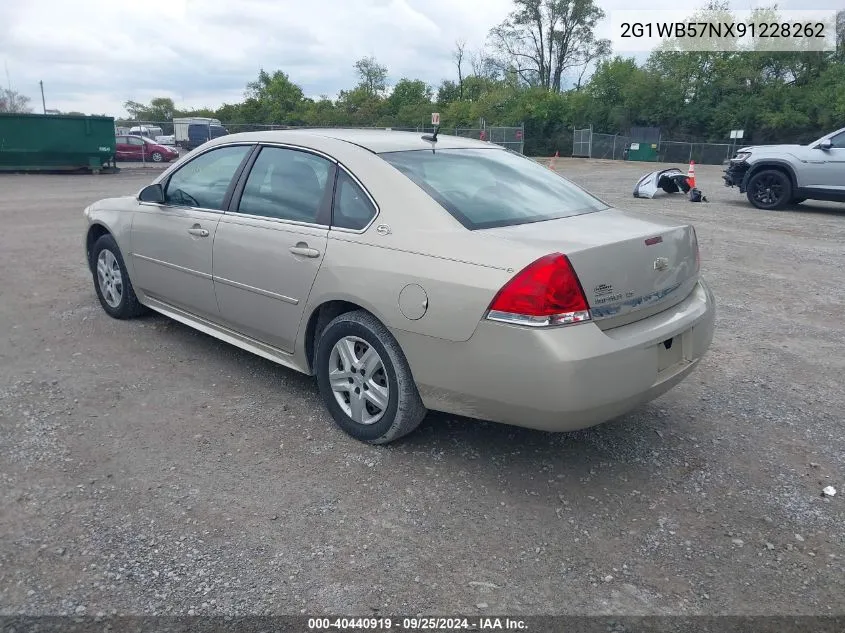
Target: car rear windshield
486, 188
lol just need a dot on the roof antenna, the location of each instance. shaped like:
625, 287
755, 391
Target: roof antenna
432, 137
435, 121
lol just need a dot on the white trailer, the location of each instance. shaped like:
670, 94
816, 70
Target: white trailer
180, 127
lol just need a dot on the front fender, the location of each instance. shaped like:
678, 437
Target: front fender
116, 220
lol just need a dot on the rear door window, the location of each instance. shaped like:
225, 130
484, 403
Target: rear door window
486, 188
287, 184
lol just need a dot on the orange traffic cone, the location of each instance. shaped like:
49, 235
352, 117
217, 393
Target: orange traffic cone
553, 160
691, 174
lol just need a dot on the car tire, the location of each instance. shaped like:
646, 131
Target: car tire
157, 157
111, 281
380, 406
769, 189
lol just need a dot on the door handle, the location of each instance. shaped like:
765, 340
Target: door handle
199, 232
304, 250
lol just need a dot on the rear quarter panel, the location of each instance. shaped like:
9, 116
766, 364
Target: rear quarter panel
458, 293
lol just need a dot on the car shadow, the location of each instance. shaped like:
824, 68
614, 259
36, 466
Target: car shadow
647, 442
626, 438
626, 462
809, 206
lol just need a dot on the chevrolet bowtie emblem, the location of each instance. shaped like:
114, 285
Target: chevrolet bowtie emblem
661, 263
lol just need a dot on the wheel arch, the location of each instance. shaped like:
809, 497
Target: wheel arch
777, 165
95, 232
322, 315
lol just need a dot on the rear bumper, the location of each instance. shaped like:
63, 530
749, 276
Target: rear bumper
565, 378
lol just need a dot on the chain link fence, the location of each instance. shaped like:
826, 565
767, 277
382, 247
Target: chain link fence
589, 144
512, 137
582, 143
610, 146
702, 153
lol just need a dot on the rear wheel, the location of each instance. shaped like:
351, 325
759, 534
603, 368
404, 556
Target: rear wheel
365, 380
111, 281
769, 189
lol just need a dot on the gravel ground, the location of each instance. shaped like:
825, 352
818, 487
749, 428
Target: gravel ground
150, 469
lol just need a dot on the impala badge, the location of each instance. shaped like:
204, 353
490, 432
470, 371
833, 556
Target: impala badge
661, 263
602, 290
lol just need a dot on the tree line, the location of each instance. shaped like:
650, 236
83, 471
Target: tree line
544, 66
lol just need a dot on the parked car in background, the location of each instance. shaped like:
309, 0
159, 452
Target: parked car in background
167, 139
469, 279
774, 176
199, 133
139, 148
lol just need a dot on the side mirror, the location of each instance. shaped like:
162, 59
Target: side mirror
152, 193
826, 144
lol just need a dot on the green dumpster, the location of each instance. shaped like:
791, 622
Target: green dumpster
643, 152
47, 142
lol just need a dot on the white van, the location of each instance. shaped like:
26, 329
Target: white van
150, 131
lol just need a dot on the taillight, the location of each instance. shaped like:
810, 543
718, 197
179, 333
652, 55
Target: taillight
546, 292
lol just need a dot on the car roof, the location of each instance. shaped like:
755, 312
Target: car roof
377, 141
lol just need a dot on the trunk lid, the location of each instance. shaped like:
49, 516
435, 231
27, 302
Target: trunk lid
630, 266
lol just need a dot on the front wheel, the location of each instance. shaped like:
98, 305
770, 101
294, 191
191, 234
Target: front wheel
157, 157
769, 189
365, 380
111, 281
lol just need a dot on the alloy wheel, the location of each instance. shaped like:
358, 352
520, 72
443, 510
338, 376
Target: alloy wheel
768, 190
109, 278
358, 380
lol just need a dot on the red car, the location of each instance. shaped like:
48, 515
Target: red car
140, 148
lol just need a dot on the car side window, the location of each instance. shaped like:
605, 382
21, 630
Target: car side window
134, 140
352, 208
838, 140
286, 184
203, 182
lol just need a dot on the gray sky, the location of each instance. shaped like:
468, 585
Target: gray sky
95, 54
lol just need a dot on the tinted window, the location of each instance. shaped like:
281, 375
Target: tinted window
484, 188
286, 184
203, 181
352, 207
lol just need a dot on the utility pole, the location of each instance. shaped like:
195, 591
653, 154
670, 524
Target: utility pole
43, 103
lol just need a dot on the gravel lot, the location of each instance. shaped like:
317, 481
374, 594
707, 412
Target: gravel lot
147, 468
